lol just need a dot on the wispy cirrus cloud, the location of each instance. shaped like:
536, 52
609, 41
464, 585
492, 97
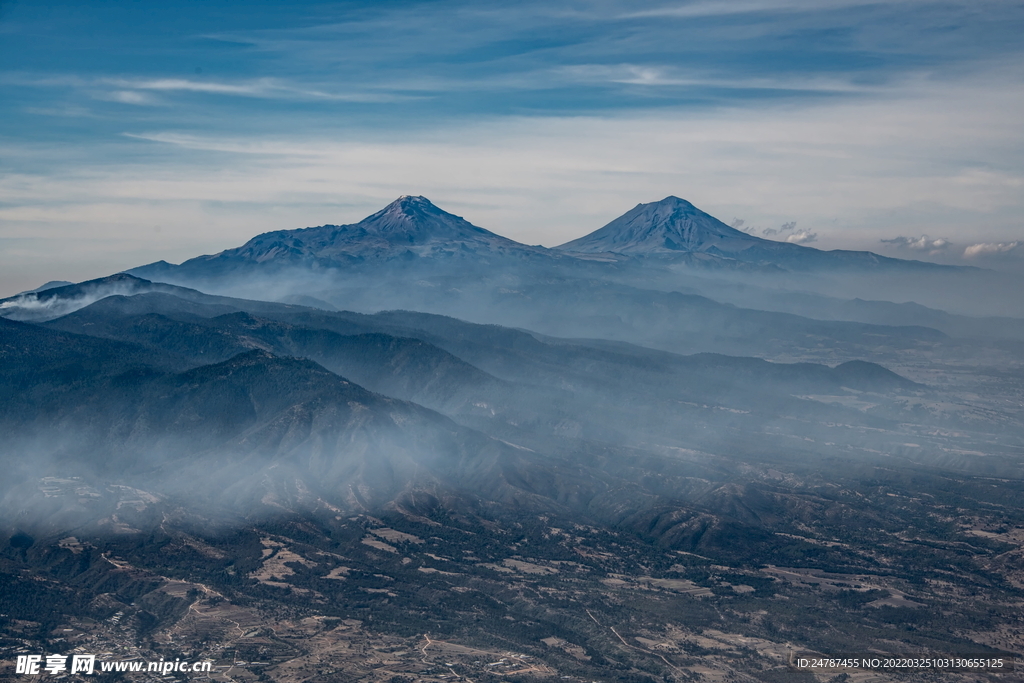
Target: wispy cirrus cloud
270, 88
751, 48
140, 90
654, 75
702, 8
262, 87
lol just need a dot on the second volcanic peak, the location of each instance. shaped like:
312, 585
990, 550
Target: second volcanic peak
673, 224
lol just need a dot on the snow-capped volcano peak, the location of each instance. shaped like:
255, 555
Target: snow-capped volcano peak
407, 224
415, 220
674, 228
410, 227
673, 224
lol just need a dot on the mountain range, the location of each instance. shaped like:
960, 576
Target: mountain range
414, 256
413, 228
652, 277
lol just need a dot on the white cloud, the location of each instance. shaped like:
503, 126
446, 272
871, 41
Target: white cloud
802, 237
989, 248
923, 243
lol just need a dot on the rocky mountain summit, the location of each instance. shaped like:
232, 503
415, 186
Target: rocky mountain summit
407, 226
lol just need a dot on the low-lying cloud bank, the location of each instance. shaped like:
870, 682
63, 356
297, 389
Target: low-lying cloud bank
984, 248
922, 243
947, 250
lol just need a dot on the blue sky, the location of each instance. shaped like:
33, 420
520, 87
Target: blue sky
132, 131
